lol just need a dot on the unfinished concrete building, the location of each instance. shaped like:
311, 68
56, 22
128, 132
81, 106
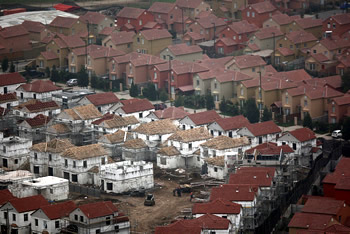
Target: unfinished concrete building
14, 152
113, 143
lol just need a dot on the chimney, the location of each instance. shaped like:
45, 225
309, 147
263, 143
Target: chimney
237, 190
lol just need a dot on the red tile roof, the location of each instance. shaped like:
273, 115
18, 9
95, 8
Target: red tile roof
322, 92
11, 79
285, 51
26, 204
209, 21
211, 222
5, 196
99, 99
310, 22
310, 221
105, 117
342, 18
218, 206
232, 123
241, 27
269, 32
335, 43
63, 22
263, 128
319, 57
345, 100
323, 205
136, 105
161, 7
13, 31
38, 121
92, 17
107, 31
49, 55
98, 209
226, 41
262, 7
301, 36
303, 134
8, 97
123, 37
40, 86
171, 113
341, 171
4, 111
155, 34
246, 61
183, 49
195, 36
41, 106
33, 26
180, 226
234, 193
270, 170
130, 12
205, 117
59, 210
188, 3
72, 41
337, 228
282, 19
270, 148
253, 178
343, 183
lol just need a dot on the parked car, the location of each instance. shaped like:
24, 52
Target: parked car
72, 82
160, 106
337, 134
149, 200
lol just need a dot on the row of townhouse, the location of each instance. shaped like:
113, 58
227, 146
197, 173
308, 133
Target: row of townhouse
34, 214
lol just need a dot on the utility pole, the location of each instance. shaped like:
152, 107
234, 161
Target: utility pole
260, 96
169, 78
8, 220
274, 46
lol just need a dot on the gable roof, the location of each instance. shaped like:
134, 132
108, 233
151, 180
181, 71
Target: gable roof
246, 61
269, 32
155, 34
160, 127
99, 99
130, 12
269, 148
38, 121
303, 134
262, 7
188, 3
171, 113
123, 37
194, 134
83, 152
232, 192
323, 205
180, 226
33, 26
85, 112
40, 86
54, 146
211, 222
59, 210
345, 100
252, 178
232, 123
136, 105
209, 21
13, 31
263, 128
98, 209
117, 137
8, 97
137, 143
92, 17
49, 55
5, 196
218, 206
342, 18
11, 79
310, 221
118, 122
224, 142
183, 48
282, 19
309, 22
243, 26
26, 204
169, 151
300, 36
40, 106
204, 117
63, 22
161, 7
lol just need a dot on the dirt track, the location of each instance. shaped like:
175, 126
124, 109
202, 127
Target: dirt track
145, 218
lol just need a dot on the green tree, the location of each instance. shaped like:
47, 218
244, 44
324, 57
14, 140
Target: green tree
251, 111
346, 129
94, 82
82, 77
47, 71
12, 67
55, 77
163, 96
134, 92
179, 101
267, 115
209, 102
307, 122
346, 82
223, 105
150, 92
5, 64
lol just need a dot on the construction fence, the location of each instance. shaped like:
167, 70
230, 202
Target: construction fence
75, 188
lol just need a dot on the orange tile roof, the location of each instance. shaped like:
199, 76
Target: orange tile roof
285, 51
38, 121
342, 18
269, 32
171, 113
188, 3
8, 97
246, 61
345, 100
234, 193
5, 196
270, 148
323, 205
49, 55
282, 19
310, 221
241, 27
136, 105
180, 226
232, 123
33, 26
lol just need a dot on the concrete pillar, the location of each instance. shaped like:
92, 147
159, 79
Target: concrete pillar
273, 115
121, 86
284, 118
295, 120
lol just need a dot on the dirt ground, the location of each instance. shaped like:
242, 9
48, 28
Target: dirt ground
145, 218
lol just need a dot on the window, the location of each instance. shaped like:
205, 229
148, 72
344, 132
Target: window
171, 16
25, 217
108, 221
287, 100
74, 164
81, 218
312, 66
76, 217
155, 75
305, 103
74, 178
57, 224
253, 69
13, 217
333, 109
140, 115
51, 191
333, 25
16, 161
66, 163
35, 155
234, 37
215, 85
291, 46
305, 45
260, 140
328, 25
197, 82
5, 215
215, 169
239, 37
116, 228
36, 170
44, 224
103, 161
36, 222
294, 146
253, 14
142, 41
280, 45
190, 146
248, 14
109, 186
297, 45
138, 40
339, 51
201, 31
85, 164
